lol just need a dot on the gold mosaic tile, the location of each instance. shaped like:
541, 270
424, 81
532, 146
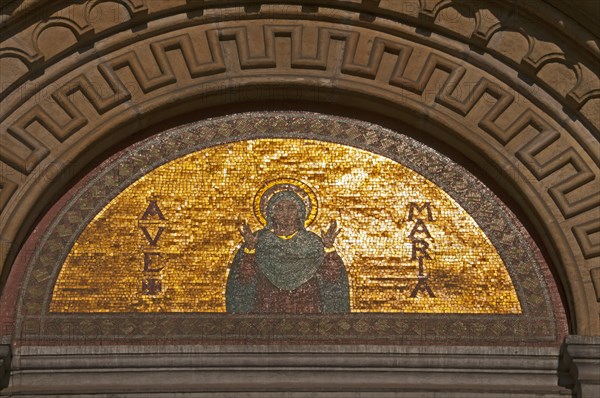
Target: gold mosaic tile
165, 243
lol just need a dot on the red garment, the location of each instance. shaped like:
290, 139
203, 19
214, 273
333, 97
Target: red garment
305, 299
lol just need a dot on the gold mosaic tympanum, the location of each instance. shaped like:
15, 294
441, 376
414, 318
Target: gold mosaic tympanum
166, 242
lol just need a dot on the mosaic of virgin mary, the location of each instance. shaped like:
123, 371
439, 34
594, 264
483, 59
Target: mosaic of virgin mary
284, 268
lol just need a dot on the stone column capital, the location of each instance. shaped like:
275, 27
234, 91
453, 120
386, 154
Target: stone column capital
580, 360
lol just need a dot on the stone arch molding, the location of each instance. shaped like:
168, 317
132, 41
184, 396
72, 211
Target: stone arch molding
509, 88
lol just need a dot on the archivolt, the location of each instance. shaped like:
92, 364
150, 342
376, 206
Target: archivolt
162, 63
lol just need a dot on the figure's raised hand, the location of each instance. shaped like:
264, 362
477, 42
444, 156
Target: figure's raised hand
250, 238
330, 235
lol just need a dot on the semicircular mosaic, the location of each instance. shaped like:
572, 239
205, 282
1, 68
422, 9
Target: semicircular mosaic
168, 241
283, 221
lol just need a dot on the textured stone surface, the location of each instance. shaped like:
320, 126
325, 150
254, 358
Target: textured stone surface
300, 371
581, 362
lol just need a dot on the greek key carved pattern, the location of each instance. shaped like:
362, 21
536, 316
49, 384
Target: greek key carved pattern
492, 19
489, 20
18, 136
583, 233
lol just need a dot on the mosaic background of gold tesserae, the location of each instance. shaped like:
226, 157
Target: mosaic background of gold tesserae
205, 195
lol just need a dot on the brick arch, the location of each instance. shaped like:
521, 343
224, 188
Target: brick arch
194, 55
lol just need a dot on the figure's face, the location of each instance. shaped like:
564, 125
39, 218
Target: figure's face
285, 217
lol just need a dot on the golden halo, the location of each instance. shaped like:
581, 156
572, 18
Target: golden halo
306, 193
